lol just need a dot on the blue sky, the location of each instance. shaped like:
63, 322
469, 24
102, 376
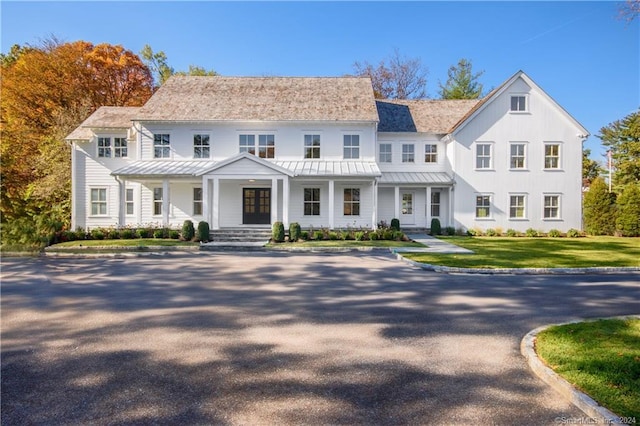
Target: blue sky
579, 52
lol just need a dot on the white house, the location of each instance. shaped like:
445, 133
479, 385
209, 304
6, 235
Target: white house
322, 152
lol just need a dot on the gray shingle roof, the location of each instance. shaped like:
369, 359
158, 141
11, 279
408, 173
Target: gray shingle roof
425, 116
104, 118
190, 98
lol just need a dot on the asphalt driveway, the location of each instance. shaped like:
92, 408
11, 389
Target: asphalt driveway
281, 339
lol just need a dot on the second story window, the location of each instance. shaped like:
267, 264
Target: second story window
161, 145
201, 147
266, 146
431, 153
311, 146
104, 147
248, 144
483, 156
551, 156
120, 147
351, 147
408, 153
517, 156
385, 153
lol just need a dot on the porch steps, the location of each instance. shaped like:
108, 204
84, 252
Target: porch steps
240, 235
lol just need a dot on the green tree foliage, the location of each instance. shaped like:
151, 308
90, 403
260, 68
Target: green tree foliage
159, 65
628, 221
396, 77
590, 168
461, 83
622, 137
599, 209
197, 71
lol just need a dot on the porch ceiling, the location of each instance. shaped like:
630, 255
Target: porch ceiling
416, 177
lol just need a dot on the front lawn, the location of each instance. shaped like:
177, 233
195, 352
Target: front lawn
347, 243
523, 252
142, 242
601, 358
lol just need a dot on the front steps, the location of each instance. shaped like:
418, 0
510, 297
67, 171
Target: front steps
239, 235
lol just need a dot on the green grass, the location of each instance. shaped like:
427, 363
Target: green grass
522, 252
348, 243
143, 242
601, 358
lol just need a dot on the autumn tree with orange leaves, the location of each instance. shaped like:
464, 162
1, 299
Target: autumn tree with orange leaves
47, 91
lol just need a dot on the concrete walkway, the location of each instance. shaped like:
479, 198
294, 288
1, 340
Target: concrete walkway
434, 245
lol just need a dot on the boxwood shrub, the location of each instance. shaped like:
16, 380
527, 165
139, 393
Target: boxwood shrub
203, 231
277, 232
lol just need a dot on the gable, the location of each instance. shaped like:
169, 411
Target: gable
245, 164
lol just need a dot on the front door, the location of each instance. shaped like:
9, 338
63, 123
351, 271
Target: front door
256, 206
407, 215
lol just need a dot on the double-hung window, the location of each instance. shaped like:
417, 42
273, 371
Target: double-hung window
104, 147
120, 147
157, 201
201, 147
98, 201
197, 201
351, 147
551, 206
408, 153
385, 153
551, 156
517, 207
351, 202
312, 201
431, 153
483, 206
311, 146
266, 146
483, 156
517, 156
128, 197
161, 145
248, 144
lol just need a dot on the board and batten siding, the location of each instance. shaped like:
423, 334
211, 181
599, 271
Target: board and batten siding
419, 142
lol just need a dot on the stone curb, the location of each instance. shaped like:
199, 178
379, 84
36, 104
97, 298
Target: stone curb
516, 271
581, 400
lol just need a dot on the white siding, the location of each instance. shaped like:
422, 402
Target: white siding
296, 204
419, 141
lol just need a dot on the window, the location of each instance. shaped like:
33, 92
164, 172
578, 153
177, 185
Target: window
128, 199
517, 156
99, 201
435, 204
201, 147
407, 204
516, 207
197, 201
157, 201
518, 103
312, 201
161, 146
551, 206
104, 147
408, 154
266, 146
483, 156
311, 146
385, 152
351, 202
551, 156
430, 153
483, 206
119, 147
248, 144
351, 146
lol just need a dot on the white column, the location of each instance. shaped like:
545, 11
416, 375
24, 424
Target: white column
122, 197
332, 200
165, 202
216, 204
205, 199
428, 207
450, 212
74, 188
374, 214
396, 198
274, 200
285, 201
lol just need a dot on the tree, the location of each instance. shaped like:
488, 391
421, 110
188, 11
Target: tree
590, 168
396, 77
157, 63
599, 209
630, 10
628, 220
622, 137
197, 71
461, 83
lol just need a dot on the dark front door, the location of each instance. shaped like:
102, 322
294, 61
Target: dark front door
256, 206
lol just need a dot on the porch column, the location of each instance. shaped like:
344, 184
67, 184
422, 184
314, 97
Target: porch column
450, 212
396, 198
428, 207
331, 203
205, 199
216, 204
374, 213
285, 201
165, 202
122, 197
274, 200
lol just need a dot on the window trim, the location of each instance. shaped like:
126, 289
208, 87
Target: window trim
201, 146
490, 215
99, 202
558, 196
104, 148
525, 165
312, 147
434, 204
432, 153
130, 202
117, 150
390, 153
412, 153
351, 202
524, 207
311, 202
247, 147
490, 156
197, 202
168, 146
526, 103
354, 146
559, 157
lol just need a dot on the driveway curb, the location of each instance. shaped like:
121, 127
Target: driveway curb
581, 400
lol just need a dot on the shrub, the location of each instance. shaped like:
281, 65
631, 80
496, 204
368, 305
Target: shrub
475, 232
395, 224
491, 232
512, 233
203, 231
554, 233
294, 231
158, 233
277, 232
383, 224
304, 235
450, 230
97, 234
174, 234
81, 234
398, 235
188, 231
573, 233
462, 232
387, 234
142, 233
499, 231
318, 235
436, 228
113, 234
628, 221
333, 236
599, 210
359, 236
126, 234
531, 232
